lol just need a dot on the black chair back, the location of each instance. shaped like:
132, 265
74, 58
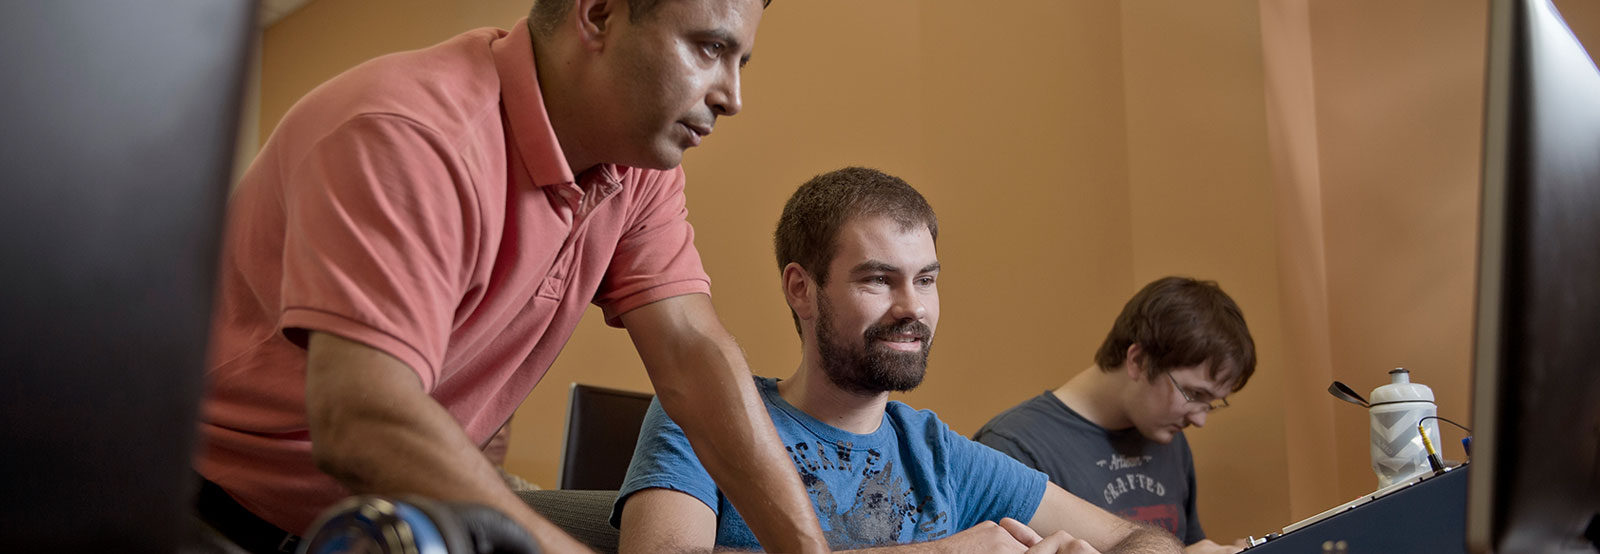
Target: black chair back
602, 429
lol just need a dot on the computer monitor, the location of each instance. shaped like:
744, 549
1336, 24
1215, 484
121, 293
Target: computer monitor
117, 126
1535, 482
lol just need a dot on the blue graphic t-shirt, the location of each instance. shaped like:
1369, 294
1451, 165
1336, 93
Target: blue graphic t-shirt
912, 480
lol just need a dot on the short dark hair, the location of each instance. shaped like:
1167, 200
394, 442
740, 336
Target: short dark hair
1181, 322
808, 230
545, 15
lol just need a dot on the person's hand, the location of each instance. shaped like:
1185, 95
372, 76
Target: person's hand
1057, 543
1205, 546
1009, 535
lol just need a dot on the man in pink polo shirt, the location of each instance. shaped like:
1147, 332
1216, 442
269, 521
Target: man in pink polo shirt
420, 236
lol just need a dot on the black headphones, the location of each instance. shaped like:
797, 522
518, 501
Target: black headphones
414, 525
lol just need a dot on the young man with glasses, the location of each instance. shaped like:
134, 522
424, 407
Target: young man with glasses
1113, 434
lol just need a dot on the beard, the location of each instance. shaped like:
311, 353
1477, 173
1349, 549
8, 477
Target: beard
863, 366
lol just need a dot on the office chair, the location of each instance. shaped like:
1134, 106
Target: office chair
602, 428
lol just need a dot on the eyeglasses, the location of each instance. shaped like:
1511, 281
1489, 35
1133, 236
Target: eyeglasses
1212, 405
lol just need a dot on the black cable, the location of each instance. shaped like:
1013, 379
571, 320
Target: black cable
1435, 459
1462, 427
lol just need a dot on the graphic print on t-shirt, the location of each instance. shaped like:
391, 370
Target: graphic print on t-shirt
879, 508
1119, 461
1118, 470
1164, 516
1142, 498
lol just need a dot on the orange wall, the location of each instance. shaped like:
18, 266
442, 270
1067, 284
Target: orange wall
1398, 111
1319, 159
1399, 114
1201, 204
1291, 137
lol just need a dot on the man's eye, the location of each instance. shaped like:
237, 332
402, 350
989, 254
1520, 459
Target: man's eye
925, 281
877, 280
714, 49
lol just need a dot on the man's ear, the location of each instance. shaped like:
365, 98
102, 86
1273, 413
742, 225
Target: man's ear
800, 291
1133, 362
595, 20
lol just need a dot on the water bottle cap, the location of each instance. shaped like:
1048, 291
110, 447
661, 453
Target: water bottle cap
1401, 389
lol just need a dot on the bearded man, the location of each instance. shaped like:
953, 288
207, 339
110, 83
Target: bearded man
856, 252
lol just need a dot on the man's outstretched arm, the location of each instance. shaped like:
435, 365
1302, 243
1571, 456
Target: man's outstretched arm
704, 384
377, 431
1059, 510
665, 521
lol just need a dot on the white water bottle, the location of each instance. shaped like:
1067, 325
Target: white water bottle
1397, 408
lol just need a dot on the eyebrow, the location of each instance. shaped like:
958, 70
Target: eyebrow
1208, 392
875, 266
1227, 383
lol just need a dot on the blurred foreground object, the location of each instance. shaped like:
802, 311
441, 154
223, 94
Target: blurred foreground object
117, 126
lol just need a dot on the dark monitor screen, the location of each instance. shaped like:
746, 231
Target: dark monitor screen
117, 125
1535, 484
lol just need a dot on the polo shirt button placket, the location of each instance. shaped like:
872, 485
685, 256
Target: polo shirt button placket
555, 282
581, 202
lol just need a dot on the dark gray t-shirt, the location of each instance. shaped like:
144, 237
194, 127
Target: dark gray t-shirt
1120, 470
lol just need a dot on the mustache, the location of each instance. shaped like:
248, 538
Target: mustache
881, 331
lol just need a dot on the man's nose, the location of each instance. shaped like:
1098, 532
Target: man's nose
724, 98
908, 305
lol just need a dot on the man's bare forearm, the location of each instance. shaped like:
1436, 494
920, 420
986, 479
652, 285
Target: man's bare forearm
394, 459
914, 548
1146, 540
704, 385
728, 426
377, 435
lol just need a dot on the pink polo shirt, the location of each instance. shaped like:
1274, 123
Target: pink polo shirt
419, 204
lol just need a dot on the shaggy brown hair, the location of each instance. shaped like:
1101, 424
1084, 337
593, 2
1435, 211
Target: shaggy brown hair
1181, 322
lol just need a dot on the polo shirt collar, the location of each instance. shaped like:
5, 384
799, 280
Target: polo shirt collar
529, 126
